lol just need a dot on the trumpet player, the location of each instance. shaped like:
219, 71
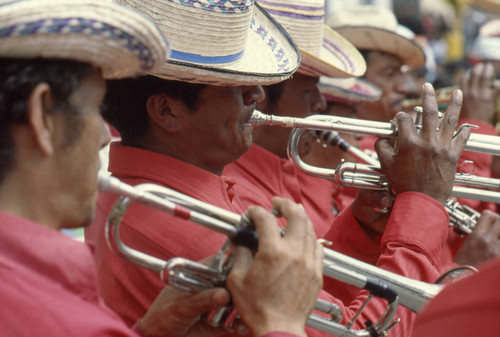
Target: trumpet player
384, 63
265, 168
51, 90
179, 127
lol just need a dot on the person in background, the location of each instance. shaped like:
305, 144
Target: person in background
179, 127
385, 52
265, 171
342, 96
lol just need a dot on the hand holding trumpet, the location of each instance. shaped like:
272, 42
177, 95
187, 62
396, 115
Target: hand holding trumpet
285, 275
425, 162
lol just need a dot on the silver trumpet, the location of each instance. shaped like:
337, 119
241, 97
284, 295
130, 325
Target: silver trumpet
476, 143
370, 177
463, 218
189, 275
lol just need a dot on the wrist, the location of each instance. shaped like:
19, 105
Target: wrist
284, 326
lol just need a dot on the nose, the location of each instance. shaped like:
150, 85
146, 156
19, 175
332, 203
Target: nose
105, 134
318, 101
252, 94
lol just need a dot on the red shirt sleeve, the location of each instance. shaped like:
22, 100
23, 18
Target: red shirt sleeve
410, 246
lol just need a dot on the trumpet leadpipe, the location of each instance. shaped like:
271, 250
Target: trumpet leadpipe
476, 143
412, 294
234, 226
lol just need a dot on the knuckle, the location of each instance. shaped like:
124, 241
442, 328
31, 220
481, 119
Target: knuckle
452, 120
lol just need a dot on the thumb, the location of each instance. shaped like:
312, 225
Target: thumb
205, 301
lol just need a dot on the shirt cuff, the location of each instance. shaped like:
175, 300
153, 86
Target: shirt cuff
419, 221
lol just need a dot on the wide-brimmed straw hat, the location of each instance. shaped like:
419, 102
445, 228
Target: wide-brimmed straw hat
375, 28
324, 51
114, 38
348, 90
224, 42
486, 46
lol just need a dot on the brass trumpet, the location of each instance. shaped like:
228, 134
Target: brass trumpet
413, 294
369, 176
188, 275
476, 143
463, 218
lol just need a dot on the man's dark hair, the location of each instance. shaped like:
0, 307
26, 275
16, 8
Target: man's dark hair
18, 78
125, 103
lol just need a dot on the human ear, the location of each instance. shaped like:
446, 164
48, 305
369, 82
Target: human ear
165, 112
41, 122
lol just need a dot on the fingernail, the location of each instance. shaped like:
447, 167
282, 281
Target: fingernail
429, 89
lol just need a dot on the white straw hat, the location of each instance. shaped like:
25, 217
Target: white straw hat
224, 42
375, 28
486, 46
348, 90
324, 51
119, 41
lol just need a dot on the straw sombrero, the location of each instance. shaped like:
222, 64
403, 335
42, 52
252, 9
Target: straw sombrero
224, 42
119, 41
375, 28
324, 51
348, 90
486, 45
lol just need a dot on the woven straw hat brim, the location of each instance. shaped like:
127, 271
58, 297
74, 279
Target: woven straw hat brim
338, 58
116, 39
348, 90
372, 38
486, 48
270, 56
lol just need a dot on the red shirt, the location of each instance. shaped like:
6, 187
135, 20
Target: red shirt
130, 289
262, 175
410, 246
468, 307
48, 284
